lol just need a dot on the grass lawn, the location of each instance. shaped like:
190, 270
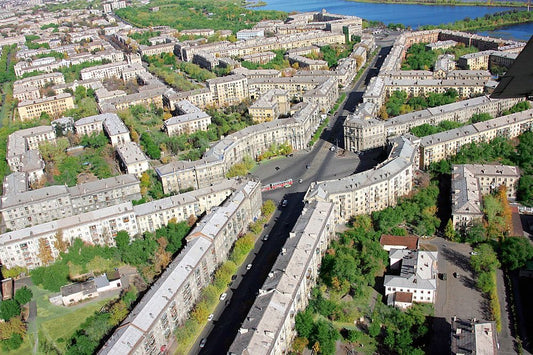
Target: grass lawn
57, 322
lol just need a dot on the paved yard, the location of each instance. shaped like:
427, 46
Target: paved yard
455, 296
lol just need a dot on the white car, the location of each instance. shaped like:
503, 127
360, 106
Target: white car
332, 148
265, 238
248, 267
210, 318
223, 296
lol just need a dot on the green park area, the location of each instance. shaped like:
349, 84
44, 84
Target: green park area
218, 14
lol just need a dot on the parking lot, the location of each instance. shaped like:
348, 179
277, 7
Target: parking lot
456, 296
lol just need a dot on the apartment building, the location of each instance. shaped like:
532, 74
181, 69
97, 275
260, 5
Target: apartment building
110, 123
157, 49
131, 158
54, 106
324, 95
270, 106
371, 190
112, 70
259, 58
156, 214
362, 131
24, 140
149, 326
187, 123
28, 88
229, 90
269, 325
417, 281
33, 207
295, 86
251, 141
307, 63
21, 247
249, 34
442, 145
470, 182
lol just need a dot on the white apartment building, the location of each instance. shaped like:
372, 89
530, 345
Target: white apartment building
187, 123
470, 182
442, 145
269, 325
21, 247
370, 190
149, 327
132, 159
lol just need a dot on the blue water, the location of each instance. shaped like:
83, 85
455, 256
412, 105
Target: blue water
409, 15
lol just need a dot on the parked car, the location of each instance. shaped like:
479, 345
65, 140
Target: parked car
202, 342
248, 267
300, 181
210, 318
265, 238
223, 296
332, 148
284, 203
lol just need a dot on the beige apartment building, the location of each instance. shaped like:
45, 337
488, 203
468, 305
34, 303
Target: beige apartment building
229, 90
29, 208
54, 106
270, 106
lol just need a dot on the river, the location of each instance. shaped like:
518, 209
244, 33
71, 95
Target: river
409, 15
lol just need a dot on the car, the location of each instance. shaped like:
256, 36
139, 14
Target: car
210, 318
248, 267
307, 166
332, 148
473, 253
202, 342
300, 181
284, 203
223, 296
265, 238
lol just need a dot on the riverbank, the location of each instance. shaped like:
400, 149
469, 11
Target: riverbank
487, 22
515, 4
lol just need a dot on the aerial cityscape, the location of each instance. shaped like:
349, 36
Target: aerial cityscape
219, 177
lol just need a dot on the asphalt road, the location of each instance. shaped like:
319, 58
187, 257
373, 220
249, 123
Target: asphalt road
318, 163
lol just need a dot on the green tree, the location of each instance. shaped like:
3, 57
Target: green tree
326, 335
449, 230
268, 208
9, 309
304, 323
484, 259
515, 252
23, 295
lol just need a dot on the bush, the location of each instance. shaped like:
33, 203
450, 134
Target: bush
23, 295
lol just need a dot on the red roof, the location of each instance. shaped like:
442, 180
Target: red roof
516, 230
405, 297
410, 242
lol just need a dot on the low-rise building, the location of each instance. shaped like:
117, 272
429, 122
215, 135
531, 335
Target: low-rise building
417, 281
470, 182
54, 106
187, 123
473, 336
132, 159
